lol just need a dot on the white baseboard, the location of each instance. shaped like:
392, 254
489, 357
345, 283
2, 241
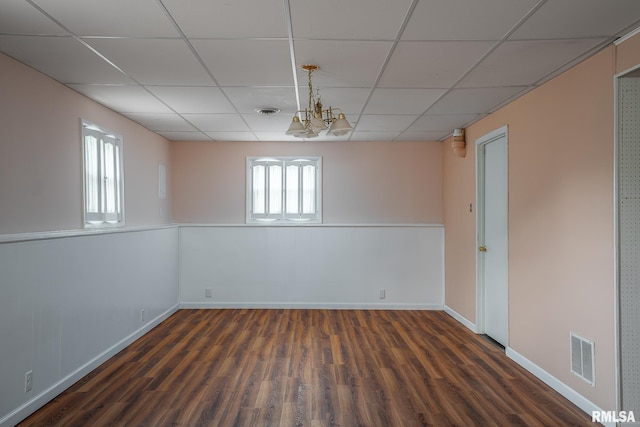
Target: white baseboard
38, 401
470, 325
573, 396
304, 305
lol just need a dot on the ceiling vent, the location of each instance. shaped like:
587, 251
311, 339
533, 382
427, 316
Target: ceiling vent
268, 111
583, 358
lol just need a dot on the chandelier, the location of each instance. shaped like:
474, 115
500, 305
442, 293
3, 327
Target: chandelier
308, 123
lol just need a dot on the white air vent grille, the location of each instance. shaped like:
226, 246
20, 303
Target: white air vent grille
582, 358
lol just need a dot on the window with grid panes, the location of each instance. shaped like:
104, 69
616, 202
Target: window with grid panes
284, 190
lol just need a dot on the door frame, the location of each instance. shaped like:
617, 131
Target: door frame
480, 220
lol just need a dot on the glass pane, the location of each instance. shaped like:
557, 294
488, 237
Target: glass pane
258, 187
92, 172
292, 189
275, 189
308, 189
109, 178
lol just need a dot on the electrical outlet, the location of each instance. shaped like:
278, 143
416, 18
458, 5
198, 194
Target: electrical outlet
208, 293
28, 381
383, 293
141, 315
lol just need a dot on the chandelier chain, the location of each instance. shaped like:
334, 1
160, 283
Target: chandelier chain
311, 100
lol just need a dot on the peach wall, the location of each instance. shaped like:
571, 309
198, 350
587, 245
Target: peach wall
363, 182
628, 54
40, 155
561, 265
460, 231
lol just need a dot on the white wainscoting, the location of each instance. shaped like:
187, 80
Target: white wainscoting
70, 302
312, 267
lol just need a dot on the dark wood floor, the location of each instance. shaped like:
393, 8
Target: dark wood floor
309, 368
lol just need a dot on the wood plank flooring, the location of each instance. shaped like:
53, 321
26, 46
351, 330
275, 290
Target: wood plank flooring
309, 368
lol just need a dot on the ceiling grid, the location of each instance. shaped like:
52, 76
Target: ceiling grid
407, 70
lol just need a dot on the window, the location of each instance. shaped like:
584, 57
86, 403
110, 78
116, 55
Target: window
284, 189
102, 171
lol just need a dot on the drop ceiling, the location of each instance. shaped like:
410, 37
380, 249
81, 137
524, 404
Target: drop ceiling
401, 70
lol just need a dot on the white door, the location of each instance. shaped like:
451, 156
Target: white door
493, 235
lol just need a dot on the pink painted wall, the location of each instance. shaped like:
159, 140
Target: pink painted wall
363, 182
561, 220
627, 54
459, 193
40, 155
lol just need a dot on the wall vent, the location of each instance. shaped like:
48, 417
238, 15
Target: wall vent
583, 358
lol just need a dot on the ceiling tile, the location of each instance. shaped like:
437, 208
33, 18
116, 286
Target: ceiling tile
247, 62
384, 123
402, 101
217, 122
341, 63
442, 122
143, 18
336, 19
423, 136
184, 136
161, 122
445, 20
232, 136
229, 19
154, 62
475, 100
525, 62
124, 99
19, 17
579, 19
373, 136
62, 58
248, 99
193, 99
260, 123
431, 64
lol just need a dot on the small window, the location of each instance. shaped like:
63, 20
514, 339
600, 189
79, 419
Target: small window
102, 171
284, 189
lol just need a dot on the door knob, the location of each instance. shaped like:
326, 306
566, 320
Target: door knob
482, 249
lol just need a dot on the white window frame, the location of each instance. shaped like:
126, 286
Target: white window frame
107, 207
283, 217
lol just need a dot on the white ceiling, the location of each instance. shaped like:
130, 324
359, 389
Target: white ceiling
401, 70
